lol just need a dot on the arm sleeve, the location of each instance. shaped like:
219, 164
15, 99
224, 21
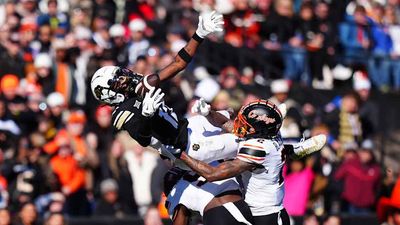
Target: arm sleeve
138, 126
140, 130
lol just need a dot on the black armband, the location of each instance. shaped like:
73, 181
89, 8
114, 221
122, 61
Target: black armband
185, 55
197, 38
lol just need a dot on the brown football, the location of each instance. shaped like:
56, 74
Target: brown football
148, 81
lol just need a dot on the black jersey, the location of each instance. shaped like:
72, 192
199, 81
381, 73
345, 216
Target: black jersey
164, 125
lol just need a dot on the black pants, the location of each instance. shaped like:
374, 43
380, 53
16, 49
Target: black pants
279, 218
221, 216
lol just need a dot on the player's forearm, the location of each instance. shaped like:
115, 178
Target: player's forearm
201, 168
216, 118
223, 171
180, 62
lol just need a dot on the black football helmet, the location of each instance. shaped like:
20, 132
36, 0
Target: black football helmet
258, 119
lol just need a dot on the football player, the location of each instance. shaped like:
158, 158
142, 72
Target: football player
148, 117
218, 202
260, 159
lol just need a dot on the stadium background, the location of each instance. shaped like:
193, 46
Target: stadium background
334, 63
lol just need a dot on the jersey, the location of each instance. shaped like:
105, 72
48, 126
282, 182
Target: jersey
263, 186
164, 125
195, 195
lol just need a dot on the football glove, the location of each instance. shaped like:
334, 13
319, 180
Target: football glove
210, 23
152, 101
170, 152
201, 107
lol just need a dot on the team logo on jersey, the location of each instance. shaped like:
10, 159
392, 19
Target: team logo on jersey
137, 104
195, 147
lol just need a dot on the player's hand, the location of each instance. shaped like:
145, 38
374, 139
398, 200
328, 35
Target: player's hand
171, 152
210, 23
152, 101
201, 107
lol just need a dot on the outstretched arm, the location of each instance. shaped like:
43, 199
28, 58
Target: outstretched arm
217, 119
224, 170
208, 24
179, 63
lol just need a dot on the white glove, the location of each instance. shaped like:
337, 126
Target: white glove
201, 107
152, 101
210, 23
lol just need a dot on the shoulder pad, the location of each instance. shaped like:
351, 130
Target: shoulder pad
253, 151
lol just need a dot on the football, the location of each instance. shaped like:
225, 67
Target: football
148, 81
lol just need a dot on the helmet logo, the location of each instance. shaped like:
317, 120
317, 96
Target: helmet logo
263, 117
98, 91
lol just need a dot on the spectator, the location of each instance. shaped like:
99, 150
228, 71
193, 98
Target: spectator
379, 63
332, 220
356, 37
275, 32
242, 25
298, 181
41, 79
349, 128
57, 104
55, 219
291, 125
119, 45
388, 208
4, 197
138, 43
71, 177
294, 51
42, 44
152, 217
51, 203
310, 219
325, 195
360, 175
117, 168
28, 9
100, 131
24, 174
58, 21
369, 110
7, 124
62, 70
321, 49
27, 215
146, 177
388, 182
109, 205
392, 21
11, 60
5, 218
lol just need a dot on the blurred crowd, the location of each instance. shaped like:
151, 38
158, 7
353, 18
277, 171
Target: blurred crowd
61, 158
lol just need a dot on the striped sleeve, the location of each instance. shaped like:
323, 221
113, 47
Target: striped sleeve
120, 117
252, 151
